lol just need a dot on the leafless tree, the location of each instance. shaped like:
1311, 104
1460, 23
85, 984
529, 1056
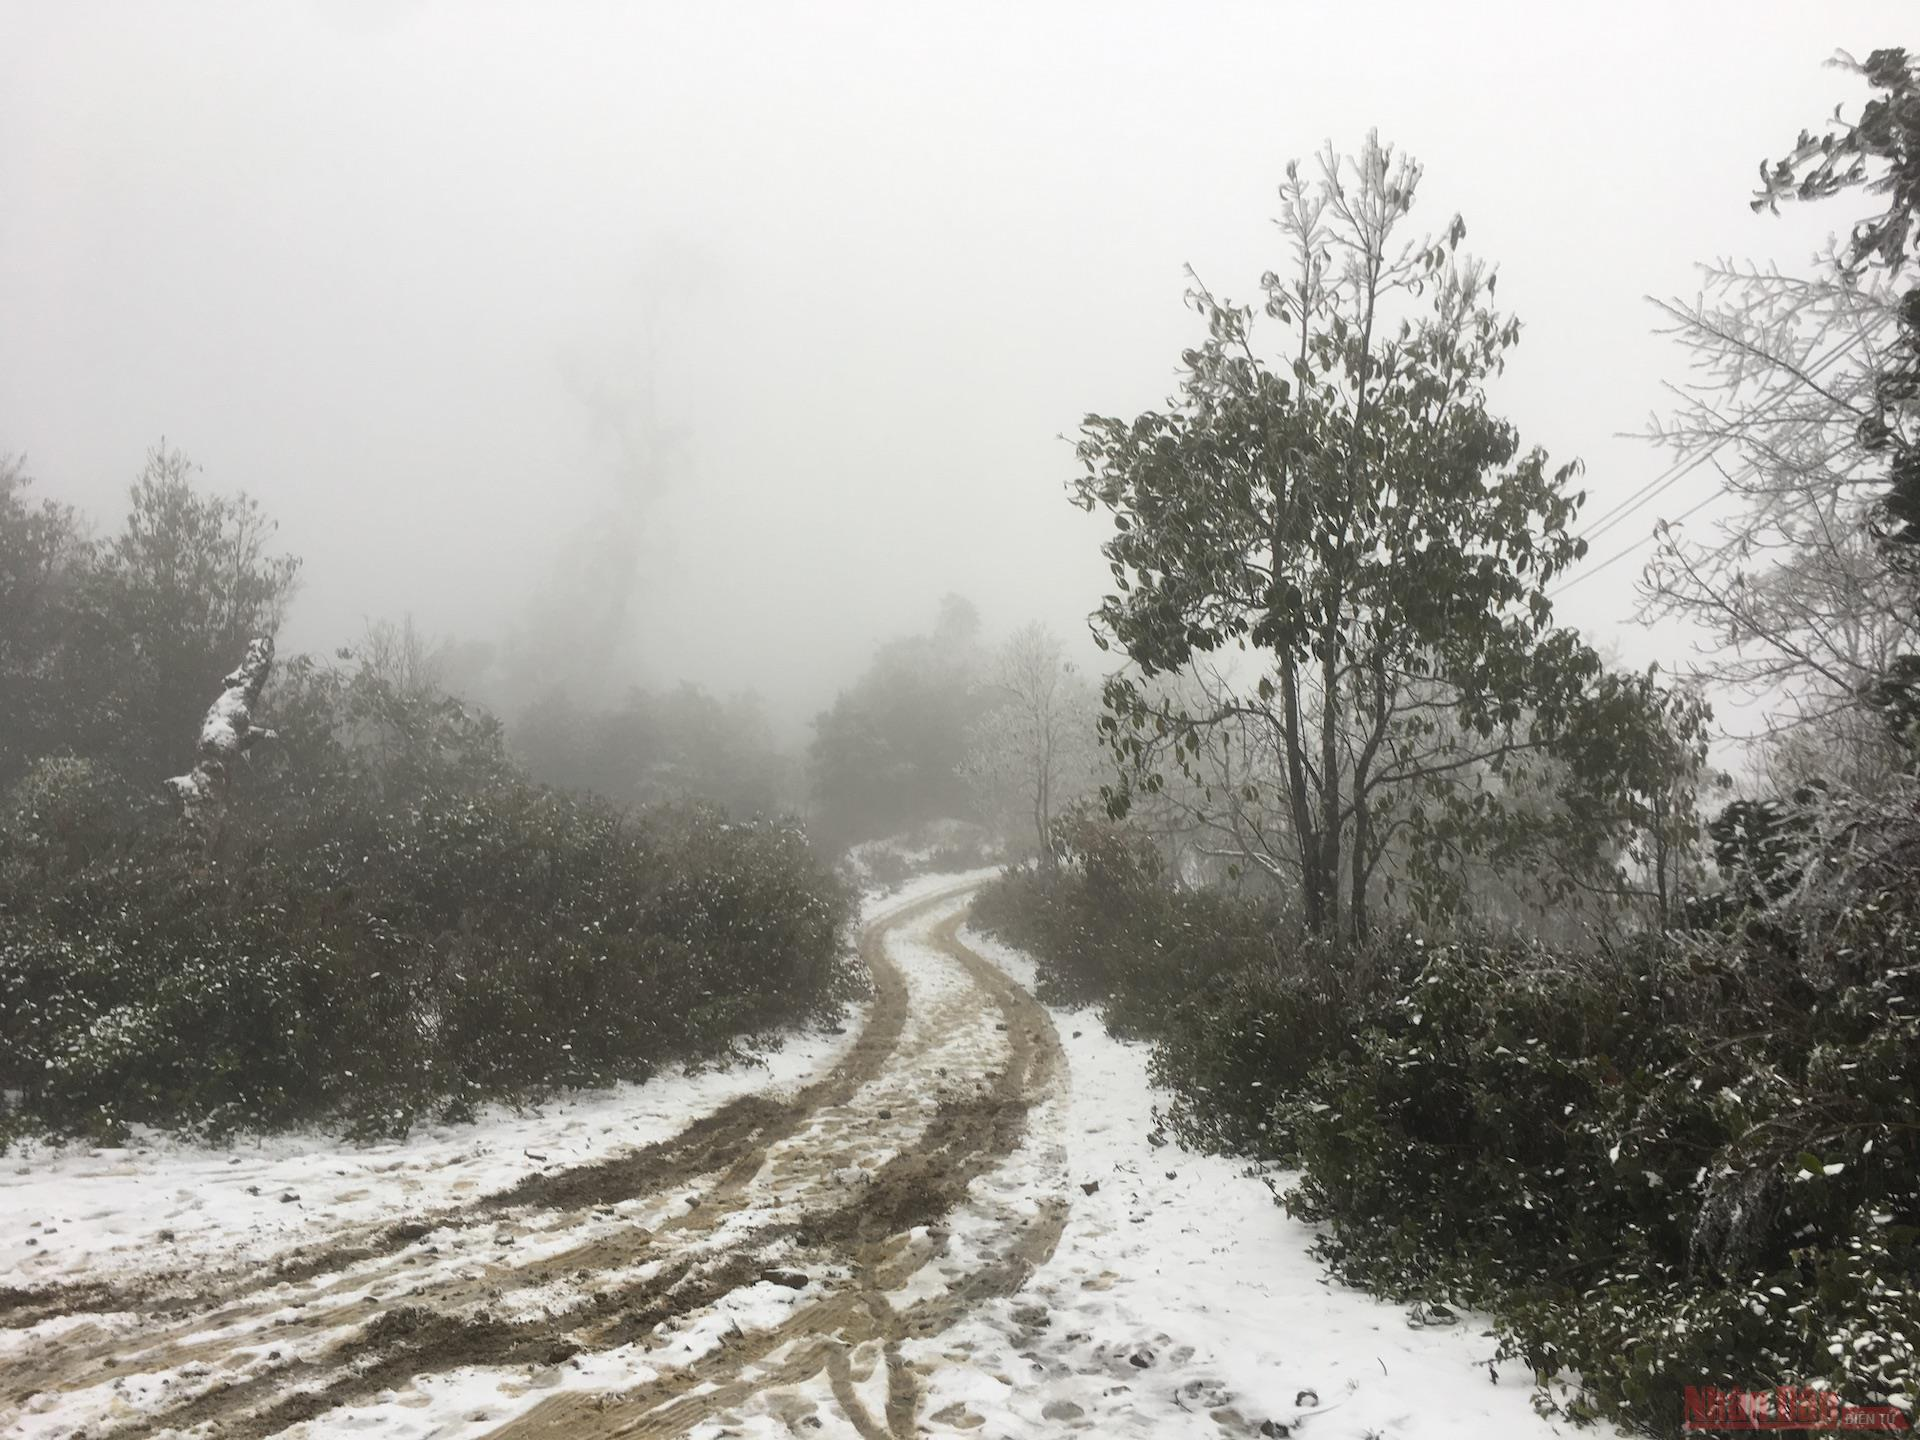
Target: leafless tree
405, 659
1034, 751
1805, 606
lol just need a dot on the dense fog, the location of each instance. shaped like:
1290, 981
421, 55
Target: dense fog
674, 344
750, 718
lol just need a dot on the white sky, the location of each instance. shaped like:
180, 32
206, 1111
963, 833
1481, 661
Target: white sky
411, 272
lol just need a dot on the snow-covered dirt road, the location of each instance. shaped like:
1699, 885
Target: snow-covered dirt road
958, 1218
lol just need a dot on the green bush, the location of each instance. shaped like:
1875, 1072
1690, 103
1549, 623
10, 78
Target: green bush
1239, 1004
1088, 921
1686, 1160
381, 931
1658, 1168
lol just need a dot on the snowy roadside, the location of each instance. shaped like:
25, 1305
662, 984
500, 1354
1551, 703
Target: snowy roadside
1181, 1300
77, 1213
1089, 1279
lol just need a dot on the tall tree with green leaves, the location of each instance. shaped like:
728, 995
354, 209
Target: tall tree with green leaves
887, 755
44, 553
1350, 514
176, 599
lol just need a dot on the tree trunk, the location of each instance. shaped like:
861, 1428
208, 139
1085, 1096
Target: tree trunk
1330, 826
1362, 837
1312, 890
226, 734
1660, 860
1363, 803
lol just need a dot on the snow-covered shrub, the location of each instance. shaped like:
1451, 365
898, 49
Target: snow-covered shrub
1682, 1163
1240, 1004
1254, 1022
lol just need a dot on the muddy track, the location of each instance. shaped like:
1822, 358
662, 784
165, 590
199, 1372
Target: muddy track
715, 1141
846, 1185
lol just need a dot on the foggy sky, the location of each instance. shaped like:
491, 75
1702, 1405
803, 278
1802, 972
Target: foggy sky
785, 307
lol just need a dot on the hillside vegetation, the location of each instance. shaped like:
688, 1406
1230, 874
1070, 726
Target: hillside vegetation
384, 919
1412, 891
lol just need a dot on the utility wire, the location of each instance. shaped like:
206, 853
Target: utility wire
1661, 482
1665, 481
1588, 574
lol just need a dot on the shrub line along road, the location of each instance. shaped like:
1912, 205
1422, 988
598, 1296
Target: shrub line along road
928, 1231
825, 1212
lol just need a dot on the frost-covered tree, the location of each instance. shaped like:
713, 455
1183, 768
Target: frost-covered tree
405, 658
1877, 153
1805, 605
1036, 750
1805, 401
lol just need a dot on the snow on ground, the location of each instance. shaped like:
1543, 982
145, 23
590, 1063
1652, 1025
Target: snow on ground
913, 852
1179, 1300
941, 1035
75, 1212
1180, 1291
879, 903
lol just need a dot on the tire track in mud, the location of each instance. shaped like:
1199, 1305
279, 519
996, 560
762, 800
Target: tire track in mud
761, 1167
715, 1141
824, 1336
722, 1141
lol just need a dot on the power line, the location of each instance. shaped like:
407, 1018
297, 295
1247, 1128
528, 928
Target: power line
1560, 590
1645, 492
1672, 478
1661, 483
1665, 480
